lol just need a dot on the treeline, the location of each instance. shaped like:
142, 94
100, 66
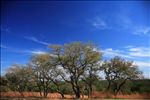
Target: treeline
132, 86
72, 68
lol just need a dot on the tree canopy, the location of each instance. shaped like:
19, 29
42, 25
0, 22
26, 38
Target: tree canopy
118, 71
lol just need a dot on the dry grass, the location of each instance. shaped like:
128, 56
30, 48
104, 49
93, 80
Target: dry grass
56, 96
122, 96
35, 94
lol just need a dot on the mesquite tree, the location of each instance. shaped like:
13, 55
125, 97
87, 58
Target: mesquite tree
18, 77
41, 66
118, 71
90, 76
74, 59
45, 73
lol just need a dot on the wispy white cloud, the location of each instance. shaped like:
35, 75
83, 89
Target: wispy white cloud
133, 28
141, 30
8, 48
127, 24
16, 50
109, 52
99, 23
34, 39
128, 52
140, 55
35, 51
123, 23
142, 63
139, 51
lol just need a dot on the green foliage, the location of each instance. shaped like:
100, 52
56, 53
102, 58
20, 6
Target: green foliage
118, 71
66, 88
141, 86
101, 85
77, 61
18, 77
134, 86
3, 84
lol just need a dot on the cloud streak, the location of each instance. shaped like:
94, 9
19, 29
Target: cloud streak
128, 52
125, 23
99, 23
139, 51
121, 22
36, 51
10, 49
141, 30
142, 63
109, 52
34, 39
137, 54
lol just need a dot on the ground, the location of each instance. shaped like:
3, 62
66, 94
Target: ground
56, 96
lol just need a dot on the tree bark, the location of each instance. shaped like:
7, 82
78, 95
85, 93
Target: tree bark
108, 87
90, 92
77, 92
118, 89
62, 95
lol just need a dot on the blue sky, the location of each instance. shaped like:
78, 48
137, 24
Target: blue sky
119, 28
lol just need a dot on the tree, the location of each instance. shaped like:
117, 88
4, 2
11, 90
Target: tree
118, 71
18, 76
74, 59
41, 67
57, 80
90, 76
46, 73
3, 84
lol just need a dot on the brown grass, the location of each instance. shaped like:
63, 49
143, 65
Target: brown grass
35, 94
58, 96
121, 96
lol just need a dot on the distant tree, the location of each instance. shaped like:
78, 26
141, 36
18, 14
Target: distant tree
3, 84
118, 71
74, 60
18, 77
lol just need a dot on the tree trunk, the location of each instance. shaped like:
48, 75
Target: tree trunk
118, 89
62, 95
40, 93
115, 88
40, 90
20, 91
59, 91
77, 92
90, 91
75, 87
108, 87
45, 91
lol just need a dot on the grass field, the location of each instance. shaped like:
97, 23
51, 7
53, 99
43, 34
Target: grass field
56, 96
